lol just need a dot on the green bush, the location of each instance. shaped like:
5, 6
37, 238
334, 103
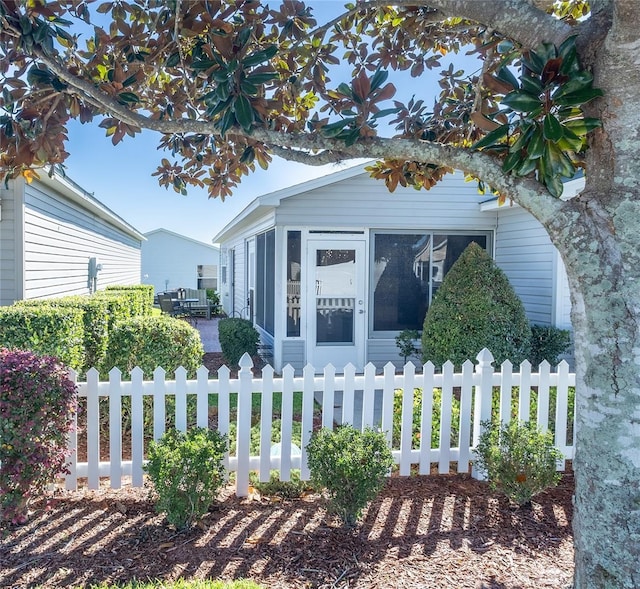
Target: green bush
406, 343
37, 404
214, 298
187, 471
45, 330
274, 487
95, 318
140, 296
149, 342
518, 459
119, 306
237, 336
548, 343
475, 308
351, 465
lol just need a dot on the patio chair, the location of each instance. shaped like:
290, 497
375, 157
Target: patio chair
170, 306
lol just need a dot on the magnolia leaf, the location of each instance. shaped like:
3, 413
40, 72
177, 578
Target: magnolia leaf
260, 56
521, 101
483, 122
244, 112
578, 98
551, 128
490, 139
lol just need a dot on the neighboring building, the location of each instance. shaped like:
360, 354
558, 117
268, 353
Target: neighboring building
333, 269
171, 261
56, 239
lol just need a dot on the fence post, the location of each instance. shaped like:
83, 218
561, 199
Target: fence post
482, 406
244, 426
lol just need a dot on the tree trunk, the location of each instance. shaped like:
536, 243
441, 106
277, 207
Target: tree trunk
598, 236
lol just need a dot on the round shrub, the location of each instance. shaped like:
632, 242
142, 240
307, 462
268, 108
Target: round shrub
475, 308
352, 466
187, 471
37, 405
237, 336
149, 342
519, 459
548, 343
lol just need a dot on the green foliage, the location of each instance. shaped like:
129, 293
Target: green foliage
475, 308
237, 336
187, 471
417, 419
548, 343
351, 465
518, 459
406, 343
545, 129
149, 342
95, 314
141, 296
37, 404
119, 305
214, 299
274, 487
46, 330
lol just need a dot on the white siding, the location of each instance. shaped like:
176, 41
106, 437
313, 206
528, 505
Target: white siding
525, 253
563, 296
363, 202
170, 261
60, 237
10, 244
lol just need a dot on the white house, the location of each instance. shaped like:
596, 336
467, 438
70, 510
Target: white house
56, 239
333, 269
171, 261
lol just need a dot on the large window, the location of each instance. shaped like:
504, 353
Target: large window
265, 279
407, 271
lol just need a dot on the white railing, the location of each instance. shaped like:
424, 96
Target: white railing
364, 400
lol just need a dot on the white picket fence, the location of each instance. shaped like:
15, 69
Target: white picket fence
366, 400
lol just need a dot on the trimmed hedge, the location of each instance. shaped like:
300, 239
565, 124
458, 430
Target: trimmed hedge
237, 336
45, 330
475, 308
95, 315
140, 295
149, 342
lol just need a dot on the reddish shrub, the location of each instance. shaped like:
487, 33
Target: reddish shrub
37, 404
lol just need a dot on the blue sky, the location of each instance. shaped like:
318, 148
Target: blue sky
120, 176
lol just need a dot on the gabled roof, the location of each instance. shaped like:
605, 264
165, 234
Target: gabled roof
180, 236
271, 200
75, 193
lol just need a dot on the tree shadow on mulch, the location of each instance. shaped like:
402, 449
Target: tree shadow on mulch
422, 531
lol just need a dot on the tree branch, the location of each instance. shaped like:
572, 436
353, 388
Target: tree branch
517, 19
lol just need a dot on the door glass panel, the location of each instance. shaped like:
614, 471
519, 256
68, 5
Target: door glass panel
335, 276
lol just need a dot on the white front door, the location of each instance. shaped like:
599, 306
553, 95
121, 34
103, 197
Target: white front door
336, 322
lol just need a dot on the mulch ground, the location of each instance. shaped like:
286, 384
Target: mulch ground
439, 531
446, 531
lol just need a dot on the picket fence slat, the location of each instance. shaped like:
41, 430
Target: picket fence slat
367, 399
137, 427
